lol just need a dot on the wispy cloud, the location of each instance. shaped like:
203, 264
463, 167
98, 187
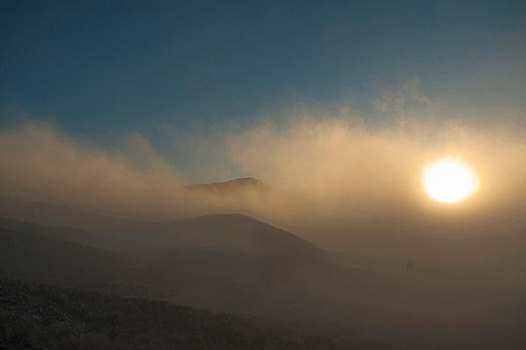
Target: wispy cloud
329, 171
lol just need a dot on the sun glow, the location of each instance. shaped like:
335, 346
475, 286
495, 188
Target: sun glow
449, 180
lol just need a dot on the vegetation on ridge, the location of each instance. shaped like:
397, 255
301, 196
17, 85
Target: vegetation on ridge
44, 317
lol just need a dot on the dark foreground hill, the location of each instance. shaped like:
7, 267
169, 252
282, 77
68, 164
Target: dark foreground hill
203, 264
44, 317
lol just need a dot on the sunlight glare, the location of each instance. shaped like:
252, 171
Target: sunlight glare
449, 180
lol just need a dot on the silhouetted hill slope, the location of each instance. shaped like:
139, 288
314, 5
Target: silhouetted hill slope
30, 256
219, 232
223, 232
392, 243
306, 290
223, 279
218, 280
238, 232
54, 318
63, 233
297, 285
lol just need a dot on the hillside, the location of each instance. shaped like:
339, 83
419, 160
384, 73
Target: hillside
44, 317
27, 255
306, 290
223, 232
237, 232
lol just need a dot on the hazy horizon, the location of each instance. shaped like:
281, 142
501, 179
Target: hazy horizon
320, 168
353, 169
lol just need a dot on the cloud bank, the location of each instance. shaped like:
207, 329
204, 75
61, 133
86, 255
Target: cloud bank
42, 164
328, 174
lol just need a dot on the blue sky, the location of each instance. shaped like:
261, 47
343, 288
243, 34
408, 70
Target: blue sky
98, 69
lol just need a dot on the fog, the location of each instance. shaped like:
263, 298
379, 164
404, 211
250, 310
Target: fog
351, 186
337, 177
343, 169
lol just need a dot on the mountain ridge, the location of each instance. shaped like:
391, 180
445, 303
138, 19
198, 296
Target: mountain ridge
239, 231
286, 287
237, 183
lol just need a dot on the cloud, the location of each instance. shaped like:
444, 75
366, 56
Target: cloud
344, 157
41, 163
345, 178
329, 174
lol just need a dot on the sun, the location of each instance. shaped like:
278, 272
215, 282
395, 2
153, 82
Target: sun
449, 180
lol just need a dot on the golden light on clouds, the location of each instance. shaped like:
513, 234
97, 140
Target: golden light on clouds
449, 180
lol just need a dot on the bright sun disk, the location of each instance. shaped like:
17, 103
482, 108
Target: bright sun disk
449, 180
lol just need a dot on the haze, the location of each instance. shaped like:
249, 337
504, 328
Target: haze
268, 161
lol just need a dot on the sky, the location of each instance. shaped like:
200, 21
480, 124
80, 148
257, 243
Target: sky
186, 76
338, 106
100, 69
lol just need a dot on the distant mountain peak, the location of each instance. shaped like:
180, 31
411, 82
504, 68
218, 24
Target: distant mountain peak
245, 188
230, 185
